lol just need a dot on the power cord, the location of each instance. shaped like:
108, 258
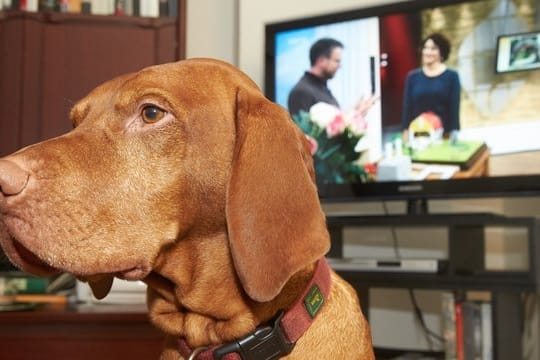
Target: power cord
430, 334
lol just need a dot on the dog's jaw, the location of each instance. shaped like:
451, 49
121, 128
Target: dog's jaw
14, 239
22, 257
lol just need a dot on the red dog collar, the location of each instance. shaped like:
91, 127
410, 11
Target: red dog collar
273, 342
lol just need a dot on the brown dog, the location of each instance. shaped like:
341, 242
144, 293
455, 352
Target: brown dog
183, 175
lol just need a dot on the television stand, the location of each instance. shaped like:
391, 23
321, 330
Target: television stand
466, 268
417, 206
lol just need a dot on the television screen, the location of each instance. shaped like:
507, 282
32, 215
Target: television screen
517, 52
494, 148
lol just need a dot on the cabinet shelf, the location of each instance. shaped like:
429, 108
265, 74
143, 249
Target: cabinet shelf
82, 19
466, 268
80, 332
466, 244
508, 281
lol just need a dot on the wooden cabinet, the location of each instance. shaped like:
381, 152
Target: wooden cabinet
103, 332
48, 61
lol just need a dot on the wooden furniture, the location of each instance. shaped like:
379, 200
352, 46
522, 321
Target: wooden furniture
479, 168
465, 271
48, 61
86, 332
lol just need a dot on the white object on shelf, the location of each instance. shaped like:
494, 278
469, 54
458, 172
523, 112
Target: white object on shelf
122, 292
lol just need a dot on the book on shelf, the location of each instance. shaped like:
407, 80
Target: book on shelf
172, 8
34, 298
48, 5
163, 7
122, 8
86, 7
9, 4
136, 7
460, 352
487, 330
23, 284
472, 331
102, 7
149, 8
22, 287
143, 8
467, 328
448, 320
28, 5
71, 6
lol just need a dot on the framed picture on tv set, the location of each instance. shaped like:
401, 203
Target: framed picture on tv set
518, 52
496, 149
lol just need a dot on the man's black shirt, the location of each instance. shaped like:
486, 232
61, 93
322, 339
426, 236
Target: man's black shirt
309, 90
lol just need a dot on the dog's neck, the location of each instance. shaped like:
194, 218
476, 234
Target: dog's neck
206, 309
279, 337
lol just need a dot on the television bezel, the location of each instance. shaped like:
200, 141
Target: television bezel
498, 50
477, 187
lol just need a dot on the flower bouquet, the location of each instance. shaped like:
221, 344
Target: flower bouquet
333, 136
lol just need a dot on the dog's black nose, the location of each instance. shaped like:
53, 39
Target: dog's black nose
13, 179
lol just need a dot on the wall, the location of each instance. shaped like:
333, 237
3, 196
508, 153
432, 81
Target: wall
212, 29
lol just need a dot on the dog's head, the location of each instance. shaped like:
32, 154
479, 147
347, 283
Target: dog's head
173, 150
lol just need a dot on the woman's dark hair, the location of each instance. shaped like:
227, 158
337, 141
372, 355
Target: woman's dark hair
442, 43
322, 47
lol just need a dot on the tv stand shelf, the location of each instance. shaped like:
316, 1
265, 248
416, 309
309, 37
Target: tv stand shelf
465, 270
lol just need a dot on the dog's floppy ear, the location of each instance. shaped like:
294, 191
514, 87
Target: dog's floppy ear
275, 221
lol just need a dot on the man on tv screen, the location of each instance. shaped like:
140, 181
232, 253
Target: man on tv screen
325, 59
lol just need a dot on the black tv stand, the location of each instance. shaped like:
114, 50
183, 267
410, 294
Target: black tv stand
417, 206
466, 268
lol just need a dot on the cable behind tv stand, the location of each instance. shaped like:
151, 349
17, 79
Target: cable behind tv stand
466, 269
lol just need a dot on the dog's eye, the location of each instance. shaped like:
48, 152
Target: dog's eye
152, 114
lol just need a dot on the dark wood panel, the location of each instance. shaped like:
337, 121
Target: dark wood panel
30, 127
11, 53
48, 61
78, 57
85, 333
166, 45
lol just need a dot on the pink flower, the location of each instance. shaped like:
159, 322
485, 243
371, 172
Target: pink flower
313, 145
336, 126
356, 122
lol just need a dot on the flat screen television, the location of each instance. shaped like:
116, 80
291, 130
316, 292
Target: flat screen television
518, 52
496, 151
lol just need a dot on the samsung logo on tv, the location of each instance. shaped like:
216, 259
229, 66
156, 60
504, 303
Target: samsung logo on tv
410, 188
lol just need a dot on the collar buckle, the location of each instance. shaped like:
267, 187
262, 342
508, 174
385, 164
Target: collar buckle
266, 343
